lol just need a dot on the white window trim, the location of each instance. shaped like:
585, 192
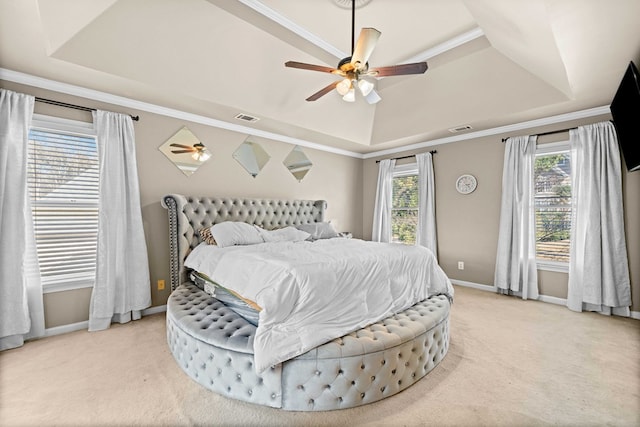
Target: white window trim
556, 266
40, 121
548, 149
405, 170
75, 127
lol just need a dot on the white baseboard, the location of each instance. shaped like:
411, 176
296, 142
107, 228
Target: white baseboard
552, 300
543, 298
489, 288
72, 327
154, 310
80, 326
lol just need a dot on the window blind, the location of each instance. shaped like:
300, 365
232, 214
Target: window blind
63, 184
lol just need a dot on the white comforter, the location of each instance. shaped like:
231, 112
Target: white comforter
313, 292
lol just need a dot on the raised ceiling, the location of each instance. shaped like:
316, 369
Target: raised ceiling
491, 62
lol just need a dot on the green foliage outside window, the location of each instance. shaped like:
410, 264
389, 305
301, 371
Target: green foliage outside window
404, 211
553, 206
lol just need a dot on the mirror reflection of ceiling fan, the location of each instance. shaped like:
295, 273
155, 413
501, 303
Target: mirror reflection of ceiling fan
198, 150
355, 68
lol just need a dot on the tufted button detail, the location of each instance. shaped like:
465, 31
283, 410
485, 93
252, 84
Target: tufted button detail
231, 358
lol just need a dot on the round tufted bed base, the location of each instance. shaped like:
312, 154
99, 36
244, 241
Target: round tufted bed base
214, 346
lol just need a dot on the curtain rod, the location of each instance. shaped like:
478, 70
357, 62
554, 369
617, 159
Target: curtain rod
75, 107
407, 157
546, 133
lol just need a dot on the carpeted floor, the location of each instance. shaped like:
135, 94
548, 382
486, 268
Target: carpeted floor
510, 362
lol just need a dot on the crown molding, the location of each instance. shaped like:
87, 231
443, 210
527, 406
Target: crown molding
448, 45
530, 124
292, 26
30, 80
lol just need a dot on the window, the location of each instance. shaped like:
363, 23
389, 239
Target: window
552, 202
63, 186
404, 208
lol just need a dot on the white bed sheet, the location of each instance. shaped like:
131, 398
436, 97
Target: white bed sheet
313, 292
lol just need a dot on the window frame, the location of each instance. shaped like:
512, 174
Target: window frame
548, 149
73, 127
401, 171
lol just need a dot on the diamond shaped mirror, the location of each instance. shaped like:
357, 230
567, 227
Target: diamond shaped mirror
252, 157
185, 151
298, 163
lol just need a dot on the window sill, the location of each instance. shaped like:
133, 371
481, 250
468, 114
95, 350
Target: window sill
66, 286
558, 267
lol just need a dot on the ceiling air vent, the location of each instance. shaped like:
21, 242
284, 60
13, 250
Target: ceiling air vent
460, 129
247, 118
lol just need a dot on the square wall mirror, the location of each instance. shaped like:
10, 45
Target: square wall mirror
252, 157
185, 151
298, 163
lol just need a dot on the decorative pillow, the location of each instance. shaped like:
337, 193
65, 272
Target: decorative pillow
319, 230
286, 234
205, 236
231, 233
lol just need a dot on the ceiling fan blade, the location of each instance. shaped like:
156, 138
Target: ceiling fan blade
373, 97
181, 146
322, 91
364, 47
182, 151
399, 70
312, 67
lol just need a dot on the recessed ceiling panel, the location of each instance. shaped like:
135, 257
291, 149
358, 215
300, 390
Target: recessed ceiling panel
408, 27
479, 87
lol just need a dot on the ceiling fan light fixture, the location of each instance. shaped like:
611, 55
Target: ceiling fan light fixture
350, 96
201, 155
343, 87
365, 87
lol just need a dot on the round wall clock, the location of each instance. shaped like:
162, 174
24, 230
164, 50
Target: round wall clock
466, 184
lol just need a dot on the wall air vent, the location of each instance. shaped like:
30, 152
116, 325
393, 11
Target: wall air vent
460, 129
247, 118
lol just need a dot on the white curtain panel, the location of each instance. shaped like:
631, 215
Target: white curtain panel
122, 289
516, 258
598, 267
382, 211
426, 234
21, 307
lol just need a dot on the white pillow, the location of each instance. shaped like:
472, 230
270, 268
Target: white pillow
231, 233
287, 234
319, 230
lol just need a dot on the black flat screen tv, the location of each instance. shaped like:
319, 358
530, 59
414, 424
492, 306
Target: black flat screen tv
625, 110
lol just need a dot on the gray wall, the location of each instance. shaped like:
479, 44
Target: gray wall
467, 226
334, 178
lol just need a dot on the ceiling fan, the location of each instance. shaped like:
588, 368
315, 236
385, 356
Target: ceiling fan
198, 150
355, 68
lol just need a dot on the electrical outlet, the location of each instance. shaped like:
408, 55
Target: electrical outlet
460, 265
161, 284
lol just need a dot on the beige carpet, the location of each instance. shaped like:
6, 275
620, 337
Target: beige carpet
511, 362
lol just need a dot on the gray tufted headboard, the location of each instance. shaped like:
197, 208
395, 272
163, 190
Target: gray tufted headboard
188, 214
